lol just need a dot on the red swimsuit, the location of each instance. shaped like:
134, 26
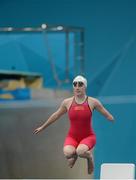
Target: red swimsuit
81, 131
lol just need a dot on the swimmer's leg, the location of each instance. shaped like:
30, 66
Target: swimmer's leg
84, 150
70, 154
69, 150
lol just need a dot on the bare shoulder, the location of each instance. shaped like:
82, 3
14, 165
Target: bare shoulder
94, 102
93, 99
67, 102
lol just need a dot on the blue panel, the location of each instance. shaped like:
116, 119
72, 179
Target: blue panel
37, 52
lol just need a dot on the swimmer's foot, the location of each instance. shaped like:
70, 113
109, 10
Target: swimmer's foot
71, 161
90, 165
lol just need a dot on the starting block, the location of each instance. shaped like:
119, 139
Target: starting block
117, 171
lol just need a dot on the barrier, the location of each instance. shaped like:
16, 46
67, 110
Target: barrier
117, 171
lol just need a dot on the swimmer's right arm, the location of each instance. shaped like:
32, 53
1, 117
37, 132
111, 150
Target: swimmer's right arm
55, 116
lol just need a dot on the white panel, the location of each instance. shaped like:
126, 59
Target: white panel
117, 171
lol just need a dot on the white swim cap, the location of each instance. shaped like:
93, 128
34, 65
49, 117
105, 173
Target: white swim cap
80, 79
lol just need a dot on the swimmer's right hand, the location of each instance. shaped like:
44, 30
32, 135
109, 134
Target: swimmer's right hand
37, 130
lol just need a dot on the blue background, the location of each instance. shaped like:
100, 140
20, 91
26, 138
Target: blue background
110, 60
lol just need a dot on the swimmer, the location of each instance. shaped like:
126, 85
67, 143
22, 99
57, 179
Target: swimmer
81, 138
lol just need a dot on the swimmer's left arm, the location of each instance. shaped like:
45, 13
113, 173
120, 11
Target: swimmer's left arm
98, 106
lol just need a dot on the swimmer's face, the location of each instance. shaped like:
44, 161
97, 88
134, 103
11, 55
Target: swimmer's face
79, 88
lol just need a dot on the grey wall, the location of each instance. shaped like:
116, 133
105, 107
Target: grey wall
24, 155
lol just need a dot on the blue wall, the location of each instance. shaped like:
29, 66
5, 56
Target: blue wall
36, 52
110, 30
